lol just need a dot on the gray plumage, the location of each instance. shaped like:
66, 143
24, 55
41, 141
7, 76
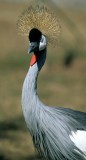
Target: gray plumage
50, 127
55, 131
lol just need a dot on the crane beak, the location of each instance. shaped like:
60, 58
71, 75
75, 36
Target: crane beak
33, 47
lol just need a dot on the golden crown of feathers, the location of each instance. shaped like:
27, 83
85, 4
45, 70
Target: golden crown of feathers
42, 18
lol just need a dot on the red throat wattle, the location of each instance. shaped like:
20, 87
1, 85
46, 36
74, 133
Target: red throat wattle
34, 59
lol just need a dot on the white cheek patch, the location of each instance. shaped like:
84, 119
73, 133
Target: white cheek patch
79, 139
43, 43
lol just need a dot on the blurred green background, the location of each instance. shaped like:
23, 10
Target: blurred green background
64, 74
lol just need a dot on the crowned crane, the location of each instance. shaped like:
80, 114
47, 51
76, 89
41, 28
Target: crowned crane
58, 133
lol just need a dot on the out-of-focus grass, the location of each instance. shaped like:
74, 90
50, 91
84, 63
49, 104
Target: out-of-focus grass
64, 86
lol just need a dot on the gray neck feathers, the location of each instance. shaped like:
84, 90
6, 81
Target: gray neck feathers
30, 100
33, 73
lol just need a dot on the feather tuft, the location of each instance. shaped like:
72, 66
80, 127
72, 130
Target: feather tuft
42, 18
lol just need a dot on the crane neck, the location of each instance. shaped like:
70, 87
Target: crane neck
30, 99
34, 70
29, 92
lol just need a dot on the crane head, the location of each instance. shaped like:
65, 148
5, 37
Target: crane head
37, 41
34, 38
37, 44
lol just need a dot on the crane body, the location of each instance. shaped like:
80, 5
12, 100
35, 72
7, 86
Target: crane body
55, 130
58, 133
